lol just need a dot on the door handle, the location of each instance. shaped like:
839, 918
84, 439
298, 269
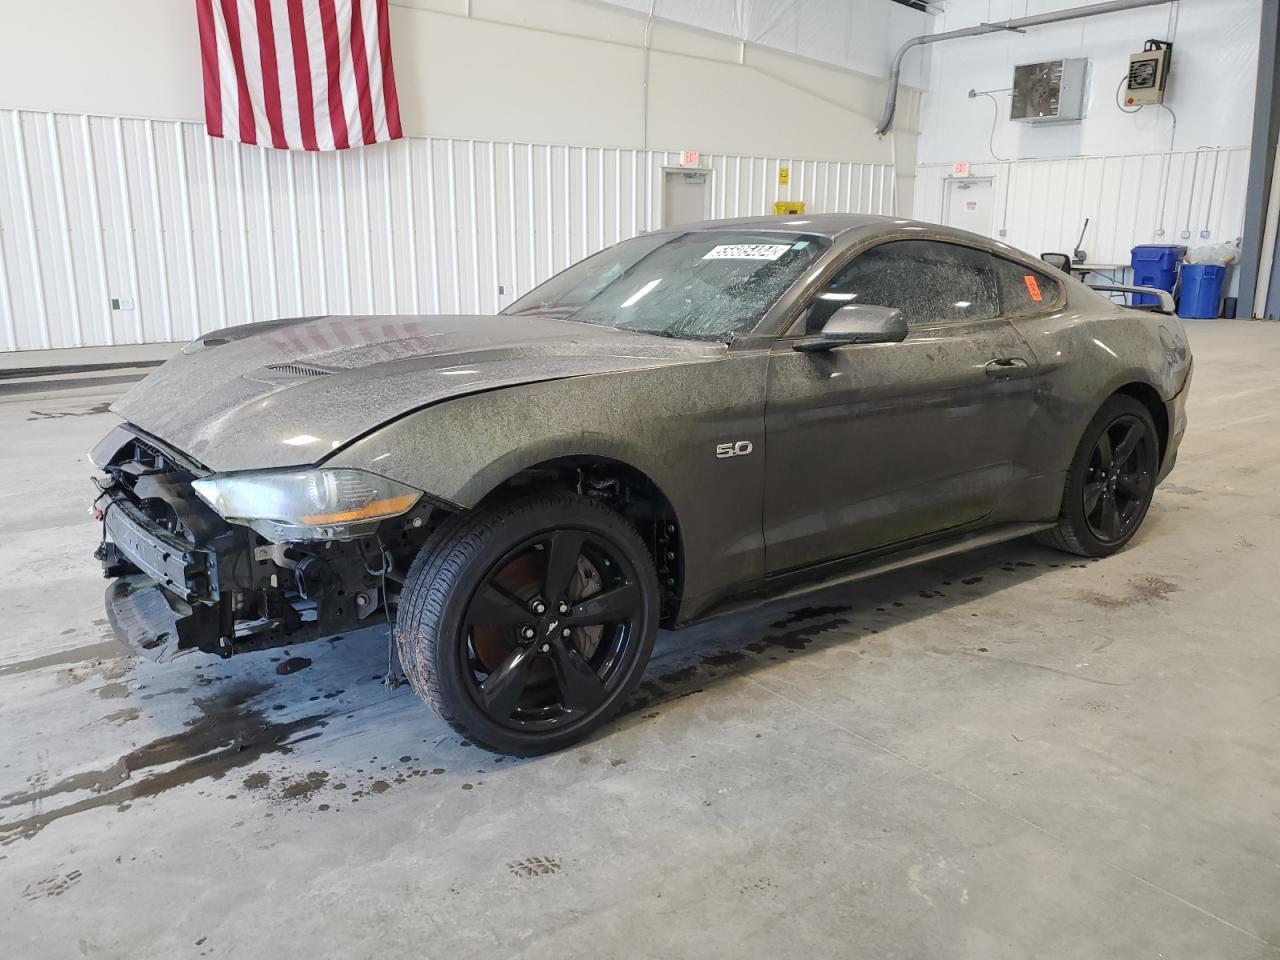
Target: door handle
1002, 368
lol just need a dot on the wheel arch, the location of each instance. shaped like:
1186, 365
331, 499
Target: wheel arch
1150, 398
630, 491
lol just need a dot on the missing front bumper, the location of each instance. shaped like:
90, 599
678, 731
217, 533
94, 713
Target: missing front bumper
223, 595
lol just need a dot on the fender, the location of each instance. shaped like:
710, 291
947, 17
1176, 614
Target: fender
667, 423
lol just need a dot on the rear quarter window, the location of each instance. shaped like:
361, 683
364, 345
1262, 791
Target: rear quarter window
1025, 292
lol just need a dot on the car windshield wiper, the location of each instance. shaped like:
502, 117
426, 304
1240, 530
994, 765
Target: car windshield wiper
574, 315
670, 335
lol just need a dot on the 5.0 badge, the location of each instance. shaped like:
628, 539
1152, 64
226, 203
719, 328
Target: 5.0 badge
739, 449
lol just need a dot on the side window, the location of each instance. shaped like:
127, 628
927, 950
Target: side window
1023, 291
929, 282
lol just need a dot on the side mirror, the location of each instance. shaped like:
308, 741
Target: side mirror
1060, 260
857, 323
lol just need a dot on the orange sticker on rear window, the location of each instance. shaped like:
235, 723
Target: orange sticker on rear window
1033, 288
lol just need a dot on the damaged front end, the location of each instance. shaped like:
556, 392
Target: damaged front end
186, 576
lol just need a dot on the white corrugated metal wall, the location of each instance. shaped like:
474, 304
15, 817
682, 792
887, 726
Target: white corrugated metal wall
1187, 198
191, 234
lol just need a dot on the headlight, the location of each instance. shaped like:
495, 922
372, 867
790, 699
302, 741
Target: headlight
307, 504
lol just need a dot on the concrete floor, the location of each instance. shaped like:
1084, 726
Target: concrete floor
1006, 754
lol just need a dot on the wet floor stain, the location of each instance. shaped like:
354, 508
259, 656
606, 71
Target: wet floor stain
292, 788
808, 613
724, 658
796, 640
688, 680
96, 410
124, 715
93, 654
306, 786
1139, 591
678, 676
113, 691
163, 693
808, 625
292, 665
227, 735
651, 692
109, 668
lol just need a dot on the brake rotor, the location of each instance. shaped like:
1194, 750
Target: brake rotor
523, 578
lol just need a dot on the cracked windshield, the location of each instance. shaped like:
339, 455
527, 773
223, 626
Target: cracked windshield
697, 286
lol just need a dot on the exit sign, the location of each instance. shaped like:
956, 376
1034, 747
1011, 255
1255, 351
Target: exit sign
690, 158
960, 169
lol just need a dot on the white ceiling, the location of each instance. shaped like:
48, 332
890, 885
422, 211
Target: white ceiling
859, 35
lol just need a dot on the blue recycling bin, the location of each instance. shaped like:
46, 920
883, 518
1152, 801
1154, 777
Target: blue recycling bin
1200, 294
1155, 265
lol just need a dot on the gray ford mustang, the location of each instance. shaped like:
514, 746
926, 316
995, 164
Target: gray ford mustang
689, 421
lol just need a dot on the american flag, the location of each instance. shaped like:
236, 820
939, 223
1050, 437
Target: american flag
298, 74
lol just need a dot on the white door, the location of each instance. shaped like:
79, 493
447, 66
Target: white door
684, 197
967, 204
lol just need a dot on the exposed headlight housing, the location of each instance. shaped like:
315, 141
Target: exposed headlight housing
290, 505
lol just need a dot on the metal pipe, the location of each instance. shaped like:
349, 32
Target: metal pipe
1016, 25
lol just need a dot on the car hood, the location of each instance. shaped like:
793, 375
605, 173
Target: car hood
290, 392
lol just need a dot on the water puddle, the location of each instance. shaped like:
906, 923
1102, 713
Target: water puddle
225, 736
106, 650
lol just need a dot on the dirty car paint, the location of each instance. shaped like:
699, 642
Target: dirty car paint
916, 438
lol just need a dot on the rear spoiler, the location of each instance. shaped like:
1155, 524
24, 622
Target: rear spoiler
1165, 298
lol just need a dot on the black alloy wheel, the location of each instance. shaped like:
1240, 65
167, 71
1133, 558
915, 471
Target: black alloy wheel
547, 630
1120, 480
525, 625
1110, 482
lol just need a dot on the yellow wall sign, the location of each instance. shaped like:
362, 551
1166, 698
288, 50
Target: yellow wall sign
784, 175
785, 208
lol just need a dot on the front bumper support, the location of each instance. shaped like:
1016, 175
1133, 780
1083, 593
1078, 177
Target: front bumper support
166, 558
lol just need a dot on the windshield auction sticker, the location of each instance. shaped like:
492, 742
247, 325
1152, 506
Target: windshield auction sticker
747, 251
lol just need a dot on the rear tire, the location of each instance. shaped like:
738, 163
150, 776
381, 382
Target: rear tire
526, 625
1110, 481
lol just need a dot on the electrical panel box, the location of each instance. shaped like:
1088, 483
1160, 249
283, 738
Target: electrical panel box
1148, 72
1049, 92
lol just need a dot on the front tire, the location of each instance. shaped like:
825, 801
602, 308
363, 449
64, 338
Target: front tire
1110, 482
526, 625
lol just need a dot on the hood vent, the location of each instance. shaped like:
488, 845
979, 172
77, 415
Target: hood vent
279, 374
297, 370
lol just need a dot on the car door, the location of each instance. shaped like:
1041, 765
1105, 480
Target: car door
875, 444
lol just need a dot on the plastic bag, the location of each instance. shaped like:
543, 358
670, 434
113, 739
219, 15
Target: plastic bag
1220, 254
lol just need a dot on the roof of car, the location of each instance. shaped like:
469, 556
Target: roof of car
832, 225
823, 224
